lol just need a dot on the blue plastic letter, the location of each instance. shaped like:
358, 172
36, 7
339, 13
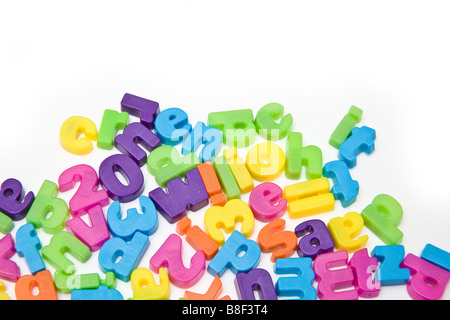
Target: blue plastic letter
228, 256
147, 223
345, 188
28, 246
361, 139
389, 273
301, 285
130, 254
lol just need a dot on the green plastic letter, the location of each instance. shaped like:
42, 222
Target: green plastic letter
266, 125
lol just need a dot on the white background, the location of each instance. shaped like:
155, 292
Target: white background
317, 58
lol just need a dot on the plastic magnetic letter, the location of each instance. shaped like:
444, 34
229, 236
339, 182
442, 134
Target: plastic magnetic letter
382, 217
363, 268
120, 163
328, 280
298, 156
6, 224
13, 202
172, 126
61, 243
226, 179
266, 201
226, 217
266, 125
182, 196
300, 285
316, 238
87, 194
238, 254
70, 132
169, 255
165, 164
428, 281
93, 235
122, 257
145, 109
345, 229
3, 295
265, 161
134, 136
9, 270
212, 184
389, 258
437, 256
201, 134
112, 121
345, 188
345, 126
237, 127
361, 140
145, 222
239, 170
256, 279
28, 246
197, 238
144, 286
42, 280
101, 293
213, 292
66, 283
44, 203
308, 198
273, 239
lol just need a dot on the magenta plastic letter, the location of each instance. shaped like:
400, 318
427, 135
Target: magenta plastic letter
87, 194
330, 280
363, 268
169, 255
9, 270
94, 237
427, 280
267, 203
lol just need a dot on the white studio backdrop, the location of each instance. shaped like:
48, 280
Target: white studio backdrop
316, 58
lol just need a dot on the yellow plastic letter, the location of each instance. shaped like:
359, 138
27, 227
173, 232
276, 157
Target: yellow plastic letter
265, 161
70, 132
309, 197
225, 217
144, 287
343, 230
3, 295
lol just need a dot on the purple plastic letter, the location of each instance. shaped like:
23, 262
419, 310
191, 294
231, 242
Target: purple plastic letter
181, 197
255, 279
115, 188
145, 109
318, 240
12, 200
135, 133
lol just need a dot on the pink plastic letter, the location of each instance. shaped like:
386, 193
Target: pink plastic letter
96, 235
330, 280
9, 270
363, 267
169, 255
427, 280
267, 203
87, 194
